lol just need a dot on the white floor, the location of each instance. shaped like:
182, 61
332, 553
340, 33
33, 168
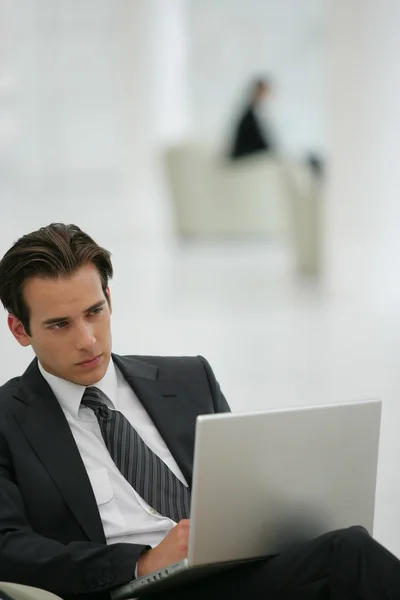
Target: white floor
272, 339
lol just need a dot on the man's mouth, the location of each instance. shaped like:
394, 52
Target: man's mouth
90, 361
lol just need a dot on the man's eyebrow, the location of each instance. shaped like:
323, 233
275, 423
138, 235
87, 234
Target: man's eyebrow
87, 310
94, 306
55, 320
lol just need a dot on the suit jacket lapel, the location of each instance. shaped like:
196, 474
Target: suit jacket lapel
173, 414
46, 428
42, 421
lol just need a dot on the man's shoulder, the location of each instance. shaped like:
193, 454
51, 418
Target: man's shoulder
8, 389
167, 362
161, 360
10, 385
161, 367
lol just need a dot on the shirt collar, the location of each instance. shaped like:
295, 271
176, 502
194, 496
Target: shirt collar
69, 394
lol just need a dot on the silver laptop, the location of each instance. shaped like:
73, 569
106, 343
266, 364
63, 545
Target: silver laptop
264, 481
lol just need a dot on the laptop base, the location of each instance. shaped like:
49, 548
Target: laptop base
171, 577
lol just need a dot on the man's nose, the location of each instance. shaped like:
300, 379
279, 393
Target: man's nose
85, 338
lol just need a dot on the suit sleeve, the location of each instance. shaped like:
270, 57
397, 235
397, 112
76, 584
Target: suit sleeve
220, 403
67, 570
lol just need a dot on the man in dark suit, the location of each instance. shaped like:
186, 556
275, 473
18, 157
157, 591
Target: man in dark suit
250, 134
96, 450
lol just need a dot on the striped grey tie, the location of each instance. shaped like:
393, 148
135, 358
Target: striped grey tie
144, 470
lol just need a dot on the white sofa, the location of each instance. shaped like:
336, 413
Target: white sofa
259, 195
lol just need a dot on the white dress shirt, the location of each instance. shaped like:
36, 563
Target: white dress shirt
126, 517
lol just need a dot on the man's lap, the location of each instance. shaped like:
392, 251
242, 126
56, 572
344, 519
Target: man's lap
304, 572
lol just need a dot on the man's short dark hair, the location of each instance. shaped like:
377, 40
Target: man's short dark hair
51, 252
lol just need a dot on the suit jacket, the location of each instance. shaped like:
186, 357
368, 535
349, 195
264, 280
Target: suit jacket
51, 535
249, 137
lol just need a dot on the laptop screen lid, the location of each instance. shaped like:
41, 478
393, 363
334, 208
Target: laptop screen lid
263, 480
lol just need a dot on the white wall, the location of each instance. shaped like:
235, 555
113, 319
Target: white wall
98, 88
155, 109
233, 40
363, 212
362, 216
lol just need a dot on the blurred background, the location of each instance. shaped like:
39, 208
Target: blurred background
279, 266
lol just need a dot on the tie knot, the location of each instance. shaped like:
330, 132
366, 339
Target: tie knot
93, 398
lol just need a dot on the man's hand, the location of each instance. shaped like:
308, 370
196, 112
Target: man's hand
173, 548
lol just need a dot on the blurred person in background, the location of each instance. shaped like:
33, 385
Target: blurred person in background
251, 134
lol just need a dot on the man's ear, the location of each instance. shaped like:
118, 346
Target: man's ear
18, 330
108, 293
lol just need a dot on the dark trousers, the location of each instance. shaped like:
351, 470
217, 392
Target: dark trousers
342, 565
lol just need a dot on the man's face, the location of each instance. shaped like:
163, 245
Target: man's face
69, 325
263, 92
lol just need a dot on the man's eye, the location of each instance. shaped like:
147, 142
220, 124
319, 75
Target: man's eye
59, 325
97, 311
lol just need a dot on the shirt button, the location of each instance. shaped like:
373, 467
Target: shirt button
153, 511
